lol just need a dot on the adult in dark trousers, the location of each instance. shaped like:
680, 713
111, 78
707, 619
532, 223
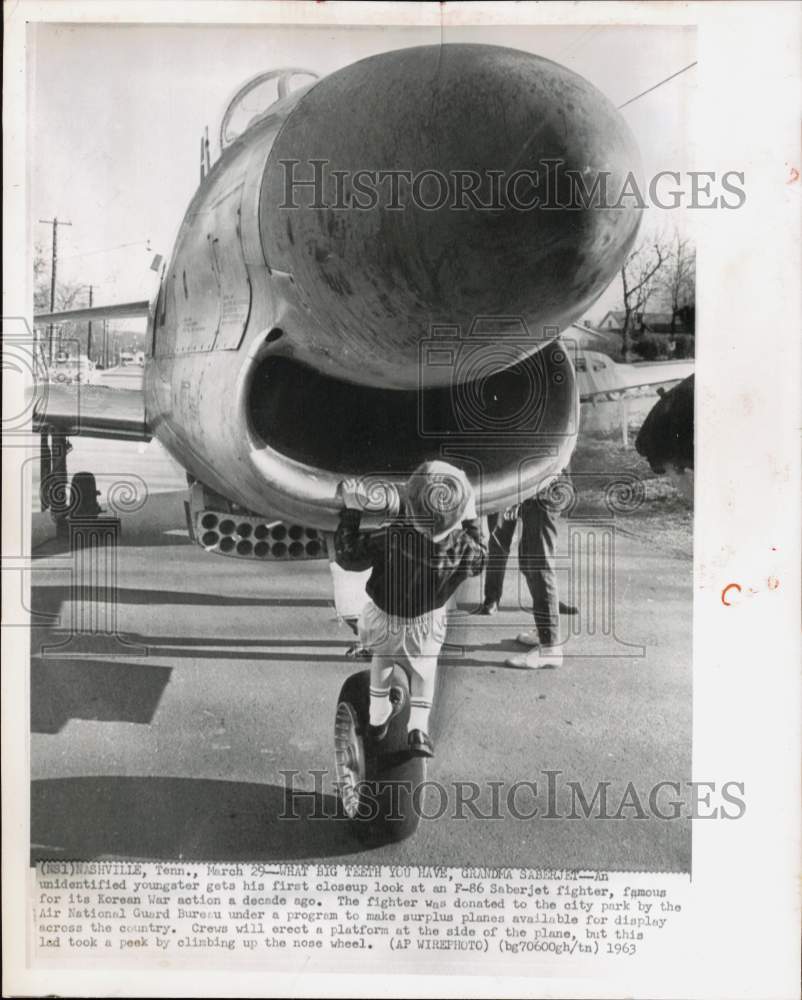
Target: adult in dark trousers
537, 556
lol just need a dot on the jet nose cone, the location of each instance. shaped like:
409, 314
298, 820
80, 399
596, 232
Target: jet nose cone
433, 186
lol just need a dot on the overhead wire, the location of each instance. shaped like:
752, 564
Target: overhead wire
643, 93
121, 246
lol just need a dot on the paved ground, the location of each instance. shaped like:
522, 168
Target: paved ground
178, 753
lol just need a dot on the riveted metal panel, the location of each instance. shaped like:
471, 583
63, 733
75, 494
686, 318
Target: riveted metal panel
208, 292
232, 277
196, 294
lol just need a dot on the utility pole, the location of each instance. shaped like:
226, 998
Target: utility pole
54, 222
89, 331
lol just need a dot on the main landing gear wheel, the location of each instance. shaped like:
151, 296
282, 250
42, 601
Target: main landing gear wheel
378, 784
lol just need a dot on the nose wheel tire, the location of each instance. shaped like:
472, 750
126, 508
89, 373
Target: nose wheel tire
379, 784
349, 754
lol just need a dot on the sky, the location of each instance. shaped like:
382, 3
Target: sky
117, 113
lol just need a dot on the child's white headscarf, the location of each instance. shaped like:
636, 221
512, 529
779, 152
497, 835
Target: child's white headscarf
437, 495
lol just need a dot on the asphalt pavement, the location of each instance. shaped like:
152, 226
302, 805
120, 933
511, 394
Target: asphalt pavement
180, 737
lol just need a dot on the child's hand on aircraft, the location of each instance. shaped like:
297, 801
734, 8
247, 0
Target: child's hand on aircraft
469, 513
348, 492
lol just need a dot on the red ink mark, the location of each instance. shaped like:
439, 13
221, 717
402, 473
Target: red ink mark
794, 176
726, 590
774, 583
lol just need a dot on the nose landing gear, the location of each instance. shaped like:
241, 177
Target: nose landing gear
378, 783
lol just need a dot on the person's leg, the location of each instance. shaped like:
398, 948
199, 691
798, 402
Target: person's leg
538, 564
421, 699
538, 561
374, 635
381, 669
498, 551
423, 645
564, 606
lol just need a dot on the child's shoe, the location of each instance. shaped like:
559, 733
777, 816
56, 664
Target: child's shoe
420, 744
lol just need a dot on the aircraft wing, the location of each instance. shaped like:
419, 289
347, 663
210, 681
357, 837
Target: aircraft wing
80, 409
599, 377
123, 310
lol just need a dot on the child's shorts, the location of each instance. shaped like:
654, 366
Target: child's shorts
402, 639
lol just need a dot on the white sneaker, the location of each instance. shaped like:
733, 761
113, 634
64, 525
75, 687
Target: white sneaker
543, 658
530, 638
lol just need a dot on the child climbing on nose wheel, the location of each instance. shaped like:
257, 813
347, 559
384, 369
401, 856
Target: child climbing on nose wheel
417, 562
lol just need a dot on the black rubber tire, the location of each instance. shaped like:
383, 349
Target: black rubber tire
390, 794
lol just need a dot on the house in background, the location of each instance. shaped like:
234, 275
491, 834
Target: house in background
588, 338
649, 322
613, 322
651, 333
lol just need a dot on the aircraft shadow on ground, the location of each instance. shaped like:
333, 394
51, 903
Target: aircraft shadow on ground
214, 648
160, 522
48, 599
97, 690
82, 650
186, 818
152, 538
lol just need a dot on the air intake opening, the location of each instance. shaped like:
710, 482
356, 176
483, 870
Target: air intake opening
342, 427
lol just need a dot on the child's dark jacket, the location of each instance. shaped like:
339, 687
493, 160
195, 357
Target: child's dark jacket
412, 574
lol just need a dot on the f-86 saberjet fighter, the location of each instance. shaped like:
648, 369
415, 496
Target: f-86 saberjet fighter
363, 281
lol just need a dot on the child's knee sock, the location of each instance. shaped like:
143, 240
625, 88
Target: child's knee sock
422, 692
419, 715
380, 707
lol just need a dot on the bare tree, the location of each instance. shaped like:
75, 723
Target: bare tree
41, 279
39, 263
638, 279
69, 295
679, 277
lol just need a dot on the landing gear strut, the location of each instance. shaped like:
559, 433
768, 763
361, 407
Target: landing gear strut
66, 500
